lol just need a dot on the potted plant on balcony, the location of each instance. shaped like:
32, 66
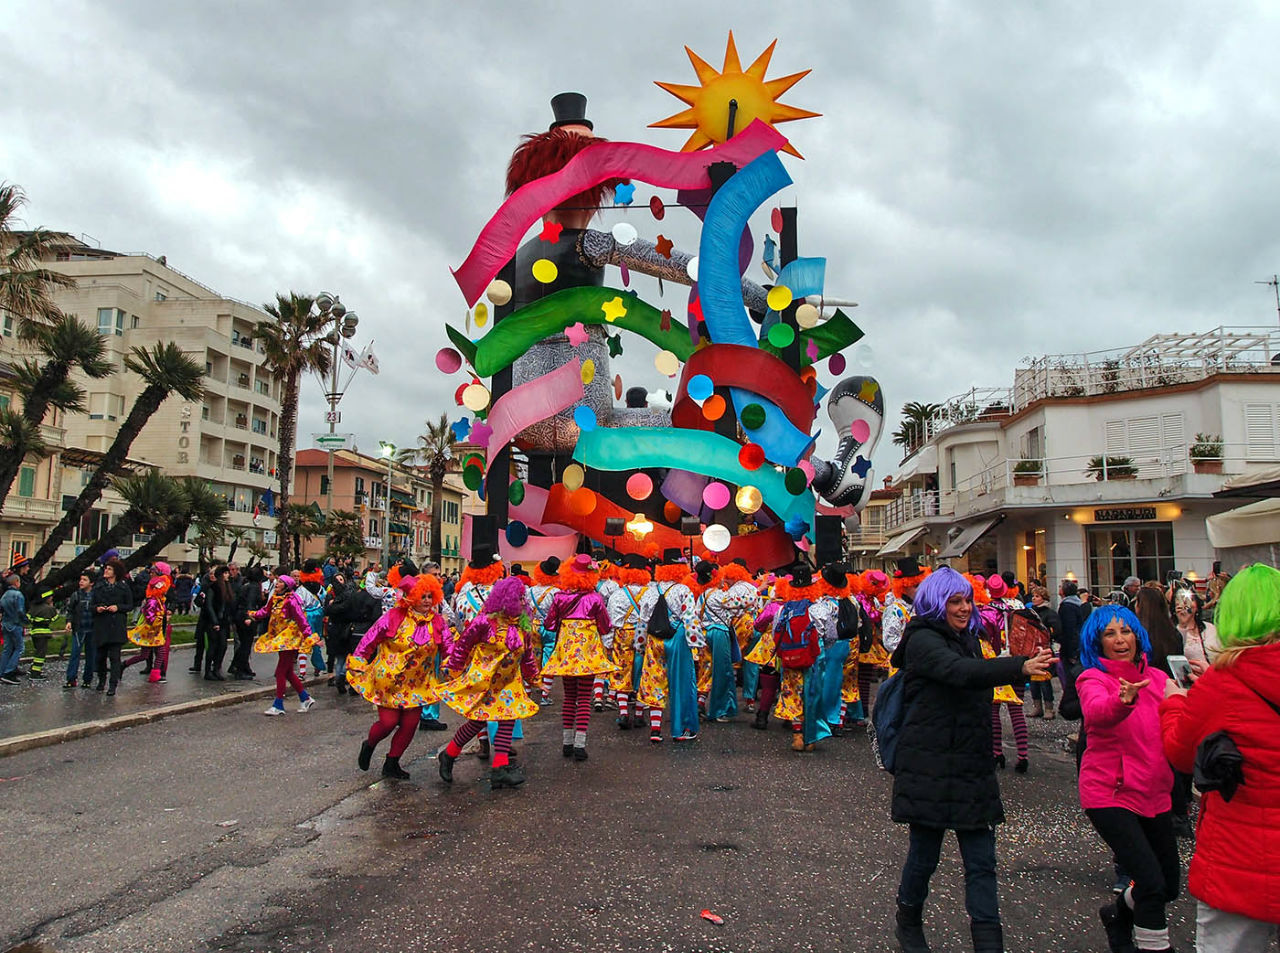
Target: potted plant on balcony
1206, 453
1027, 472
1113, 468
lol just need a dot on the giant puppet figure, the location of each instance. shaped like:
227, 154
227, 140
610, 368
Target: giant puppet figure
735, 450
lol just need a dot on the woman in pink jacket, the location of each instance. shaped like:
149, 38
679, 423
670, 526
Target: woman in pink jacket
580, 620
1124, 778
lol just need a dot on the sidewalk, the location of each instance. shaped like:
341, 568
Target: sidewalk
37, 713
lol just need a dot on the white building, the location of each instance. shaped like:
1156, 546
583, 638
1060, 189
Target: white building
1085, 469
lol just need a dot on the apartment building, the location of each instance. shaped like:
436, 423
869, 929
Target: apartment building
1091, 466
229, 439
33, 504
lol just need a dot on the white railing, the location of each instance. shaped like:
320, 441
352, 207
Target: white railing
911, 507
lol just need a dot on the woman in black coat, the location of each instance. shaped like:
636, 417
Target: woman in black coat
110, 602
944, 778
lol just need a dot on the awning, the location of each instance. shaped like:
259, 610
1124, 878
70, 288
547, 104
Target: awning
1254, 524
970, 535
1256, 484
900, 542
924, 461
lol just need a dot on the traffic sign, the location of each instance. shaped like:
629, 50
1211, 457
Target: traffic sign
333, 416
333, 441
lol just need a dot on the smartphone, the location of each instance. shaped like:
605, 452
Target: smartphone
1180, 669
1173, 575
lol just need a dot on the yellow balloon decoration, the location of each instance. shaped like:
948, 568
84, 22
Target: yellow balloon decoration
749, 499
807, 315
545, 271
779, 298
482, 314
573, 477
475, 397
499, 292
667, 363
588, 371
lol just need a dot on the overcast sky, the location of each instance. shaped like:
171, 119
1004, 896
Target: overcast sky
988, 180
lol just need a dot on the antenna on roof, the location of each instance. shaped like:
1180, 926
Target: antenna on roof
1274, 282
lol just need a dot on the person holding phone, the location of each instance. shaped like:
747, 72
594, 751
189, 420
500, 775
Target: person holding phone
1125, 780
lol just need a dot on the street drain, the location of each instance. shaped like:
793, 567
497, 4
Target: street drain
709, 848
724, 787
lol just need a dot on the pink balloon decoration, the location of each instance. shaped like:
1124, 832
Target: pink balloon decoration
639, 486
837, 364
807, 467
860, 431
448, 360
716, 496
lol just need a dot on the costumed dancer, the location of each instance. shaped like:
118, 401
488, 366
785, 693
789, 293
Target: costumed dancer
763, 655
725, 607
152, 631
546, 583
804, 625
897, 608
311, 593
494, 657
474, 585
702, 580
580, 620
288, 634
670, 632
395, 666
873, 661
993, 617
749, 639
624, 614
607, 586
835, 657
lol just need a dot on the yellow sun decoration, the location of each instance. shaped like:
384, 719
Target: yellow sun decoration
745, 94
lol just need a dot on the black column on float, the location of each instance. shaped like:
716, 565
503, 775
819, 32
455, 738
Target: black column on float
496, 503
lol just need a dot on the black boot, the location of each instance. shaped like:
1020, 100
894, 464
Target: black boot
446, 766
987, 937
366, 755
391, 769
580, 754
762, 719
910, 929
507, 776
567, 750
1117, 920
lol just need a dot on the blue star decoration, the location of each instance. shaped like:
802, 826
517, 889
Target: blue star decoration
461, 428
860, 466
624, 194
796, 528
615, 345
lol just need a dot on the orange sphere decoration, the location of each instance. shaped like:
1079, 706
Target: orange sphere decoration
671, 512
808, 374
713, 407
582, 501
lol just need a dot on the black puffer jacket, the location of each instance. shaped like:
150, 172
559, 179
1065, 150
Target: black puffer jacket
945, 777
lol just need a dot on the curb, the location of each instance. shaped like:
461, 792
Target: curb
84, 729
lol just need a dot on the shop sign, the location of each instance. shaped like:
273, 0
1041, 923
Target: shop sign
1124, 514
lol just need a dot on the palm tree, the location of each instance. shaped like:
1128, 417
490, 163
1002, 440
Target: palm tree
199, 508
151, 497
295, 343
44, 382
434, 451
913, 430
25, 286
303, 524
343, 534
166, 370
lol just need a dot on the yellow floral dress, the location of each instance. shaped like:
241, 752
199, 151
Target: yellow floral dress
652, 691
402, 674
149, 632
287, 628
492, 686
579, 647
849, 692
1005, 693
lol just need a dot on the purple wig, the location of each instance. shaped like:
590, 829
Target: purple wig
931, 598
506, 597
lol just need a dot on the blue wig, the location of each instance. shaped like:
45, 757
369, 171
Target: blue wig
1091, 634
939, 586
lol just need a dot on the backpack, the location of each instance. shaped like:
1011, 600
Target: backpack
886, 720
795, 636
848, 619
660, 626
365, 608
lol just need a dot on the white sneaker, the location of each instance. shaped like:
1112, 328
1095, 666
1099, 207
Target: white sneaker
273, 710
307, 705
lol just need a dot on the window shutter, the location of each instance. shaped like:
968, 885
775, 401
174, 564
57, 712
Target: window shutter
1117, 443
1174, 443
27, 481
1260, 431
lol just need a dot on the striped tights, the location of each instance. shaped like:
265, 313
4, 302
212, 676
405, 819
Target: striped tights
1019, 721
501, 740
575, 713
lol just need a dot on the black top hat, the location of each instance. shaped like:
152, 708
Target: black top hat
635, 561
907, 568
570, 109
481, 554
704, 571
550, 565
671, 556
834, 575
801, 575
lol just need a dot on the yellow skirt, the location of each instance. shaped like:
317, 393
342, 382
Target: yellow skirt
875, 656
397, 677
282, 636
702, 668
624, 656
1005, 693
148, 634
491, 689
579, 651
790, 706
764, 651
653, 686
849, 686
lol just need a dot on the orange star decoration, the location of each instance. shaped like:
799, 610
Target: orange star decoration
708, 114
551, 231
613, 309
663, 246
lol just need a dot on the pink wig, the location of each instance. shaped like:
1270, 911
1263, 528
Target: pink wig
506, 597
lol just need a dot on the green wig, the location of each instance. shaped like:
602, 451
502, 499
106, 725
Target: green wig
1249, 607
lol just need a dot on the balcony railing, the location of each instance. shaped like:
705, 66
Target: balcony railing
915, 506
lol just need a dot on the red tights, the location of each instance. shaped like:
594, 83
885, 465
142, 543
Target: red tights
403, 721
287, 672
575, 713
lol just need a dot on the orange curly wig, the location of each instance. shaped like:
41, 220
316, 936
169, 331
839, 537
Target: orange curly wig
482, 577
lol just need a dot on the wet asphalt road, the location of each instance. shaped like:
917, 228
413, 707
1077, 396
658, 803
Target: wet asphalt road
228, 831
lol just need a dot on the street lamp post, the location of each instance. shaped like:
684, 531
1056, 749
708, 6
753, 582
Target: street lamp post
330, 306
388, 451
